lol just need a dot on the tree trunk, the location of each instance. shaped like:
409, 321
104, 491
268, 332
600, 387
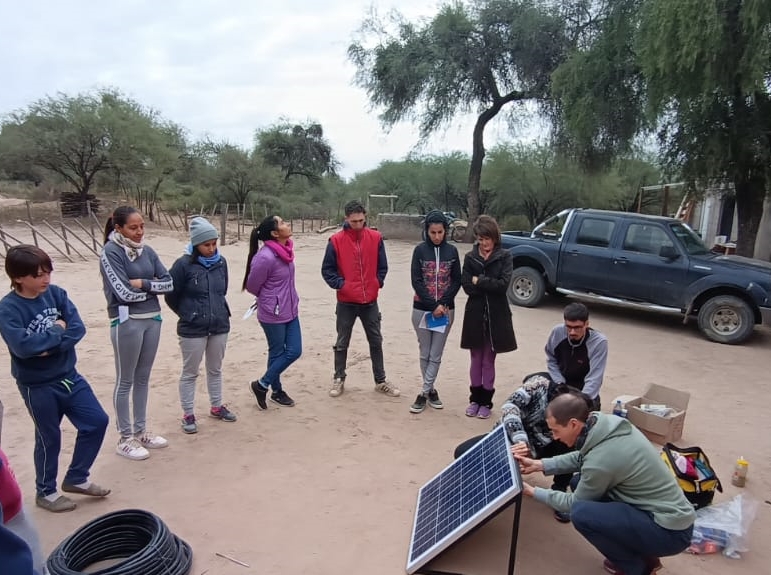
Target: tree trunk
475, 169
750, 193
763, 241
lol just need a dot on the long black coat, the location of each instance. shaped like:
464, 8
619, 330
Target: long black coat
487, 315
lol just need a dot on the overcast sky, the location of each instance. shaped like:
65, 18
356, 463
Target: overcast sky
219, 68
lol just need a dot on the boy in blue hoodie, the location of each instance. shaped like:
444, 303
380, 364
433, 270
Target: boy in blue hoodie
41, 327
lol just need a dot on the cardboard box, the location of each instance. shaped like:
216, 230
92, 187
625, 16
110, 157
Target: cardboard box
658, 429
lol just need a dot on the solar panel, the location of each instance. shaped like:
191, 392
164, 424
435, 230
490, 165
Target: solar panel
464, 494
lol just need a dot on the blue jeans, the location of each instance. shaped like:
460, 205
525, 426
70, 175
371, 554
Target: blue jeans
47, 404
285, 345
625, 534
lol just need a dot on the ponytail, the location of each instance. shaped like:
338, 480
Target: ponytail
118, 218
261, 233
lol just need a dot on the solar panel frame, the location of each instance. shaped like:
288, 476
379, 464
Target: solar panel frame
501, 483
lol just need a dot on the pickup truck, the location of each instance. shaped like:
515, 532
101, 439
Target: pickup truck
651, 262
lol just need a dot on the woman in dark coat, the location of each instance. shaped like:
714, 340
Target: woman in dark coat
487, 327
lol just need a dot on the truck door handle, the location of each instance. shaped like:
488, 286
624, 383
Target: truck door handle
574, 252
620, 260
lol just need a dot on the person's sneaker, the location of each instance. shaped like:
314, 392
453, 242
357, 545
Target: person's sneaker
483, 412
419, 405
260, 394
282, 398
131, 448
338, 386
433, 399
562, 516
222, 413
472, 409
387, 389
151, 441
59, 505
188, 424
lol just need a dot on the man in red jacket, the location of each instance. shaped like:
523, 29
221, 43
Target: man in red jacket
355, 266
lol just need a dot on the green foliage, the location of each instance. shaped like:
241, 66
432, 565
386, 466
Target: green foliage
298, 150
476, 56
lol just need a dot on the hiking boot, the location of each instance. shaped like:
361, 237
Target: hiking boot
338, 386
58, 505
131, 448
222, 413
151, 441
260, 393
388, 389
419, 405
483, 412
282, 398
188, 424
472, 409
433, 399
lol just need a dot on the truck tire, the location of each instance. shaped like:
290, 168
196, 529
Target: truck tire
527, 287
726, 319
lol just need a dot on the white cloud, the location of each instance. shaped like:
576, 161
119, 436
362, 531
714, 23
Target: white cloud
221, 69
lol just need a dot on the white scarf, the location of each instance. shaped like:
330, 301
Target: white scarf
133, 250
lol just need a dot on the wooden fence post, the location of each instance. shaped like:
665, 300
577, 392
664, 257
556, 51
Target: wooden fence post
77, 237
53, 245
223, 222
29, 219
91, 219
64, 239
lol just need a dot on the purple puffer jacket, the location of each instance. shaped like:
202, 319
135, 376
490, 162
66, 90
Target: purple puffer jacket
271, 281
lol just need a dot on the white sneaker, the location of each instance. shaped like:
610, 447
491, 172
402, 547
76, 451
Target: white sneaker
388, 389
151, 441
130, 448
338, 386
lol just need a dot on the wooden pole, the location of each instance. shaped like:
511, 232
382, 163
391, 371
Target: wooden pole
64, 239
223, 222
2, 239
77, 237
29, 219
53, 245
92, 219
238, 221
6, 234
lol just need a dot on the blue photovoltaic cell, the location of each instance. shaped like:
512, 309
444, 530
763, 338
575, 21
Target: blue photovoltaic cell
467, 491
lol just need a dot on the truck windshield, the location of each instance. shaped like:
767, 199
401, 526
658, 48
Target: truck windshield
689, 240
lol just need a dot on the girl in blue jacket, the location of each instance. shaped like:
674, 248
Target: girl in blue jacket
270, 278
200, 284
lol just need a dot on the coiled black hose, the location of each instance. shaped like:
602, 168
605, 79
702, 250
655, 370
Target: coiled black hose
146, 543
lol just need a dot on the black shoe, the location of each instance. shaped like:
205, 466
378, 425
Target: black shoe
419, 405
282, 398
260, 393
433, 399
562, 516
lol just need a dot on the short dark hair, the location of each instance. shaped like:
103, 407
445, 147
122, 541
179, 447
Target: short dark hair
26, 260
118, 218
576, 311
487, 227
567, 406
354, 207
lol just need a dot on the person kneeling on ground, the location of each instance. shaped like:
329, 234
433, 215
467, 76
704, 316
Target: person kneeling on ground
627, 504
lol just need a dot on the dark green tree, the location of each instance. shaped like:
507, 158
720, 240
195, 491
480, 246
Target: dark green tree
297, 149
476, 56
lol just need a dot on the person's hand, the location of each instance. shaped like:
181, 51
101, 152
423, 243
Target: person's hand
528, 489
528, 465
136, 284
520, 448
474, 280
61, 323
439, 311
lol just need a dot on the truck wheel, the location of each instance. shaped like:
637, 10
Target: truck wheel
726, 319
527, 287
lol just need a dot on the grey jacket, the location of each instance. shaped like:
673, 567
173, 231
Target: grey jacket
117, 270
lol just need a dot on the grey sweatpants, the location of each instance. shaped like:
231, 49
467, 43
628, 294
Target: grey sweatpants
134, 343
431, 347
193, 349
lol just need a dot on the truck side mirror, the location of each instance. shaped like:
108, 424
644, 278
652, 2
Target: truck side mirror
669, 252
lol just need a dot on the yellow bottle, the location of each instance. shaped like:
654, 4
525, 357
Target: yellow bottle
739, 477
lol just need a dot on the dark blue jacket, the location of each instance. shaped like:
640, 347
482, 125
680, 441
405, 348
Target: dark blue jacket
199, 297
42, 352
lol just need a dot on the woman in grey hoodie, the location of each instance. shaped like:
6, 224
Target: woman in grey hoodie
132, 277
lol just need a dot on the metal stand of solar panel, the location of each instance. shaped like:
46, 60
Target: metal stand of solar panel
463, 497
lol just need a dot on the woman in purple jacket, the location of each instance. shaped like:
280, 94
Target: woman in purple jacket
269, 278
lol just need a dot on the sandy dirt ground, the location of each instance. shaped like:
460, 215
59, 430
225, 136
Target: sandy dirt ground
330, 485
